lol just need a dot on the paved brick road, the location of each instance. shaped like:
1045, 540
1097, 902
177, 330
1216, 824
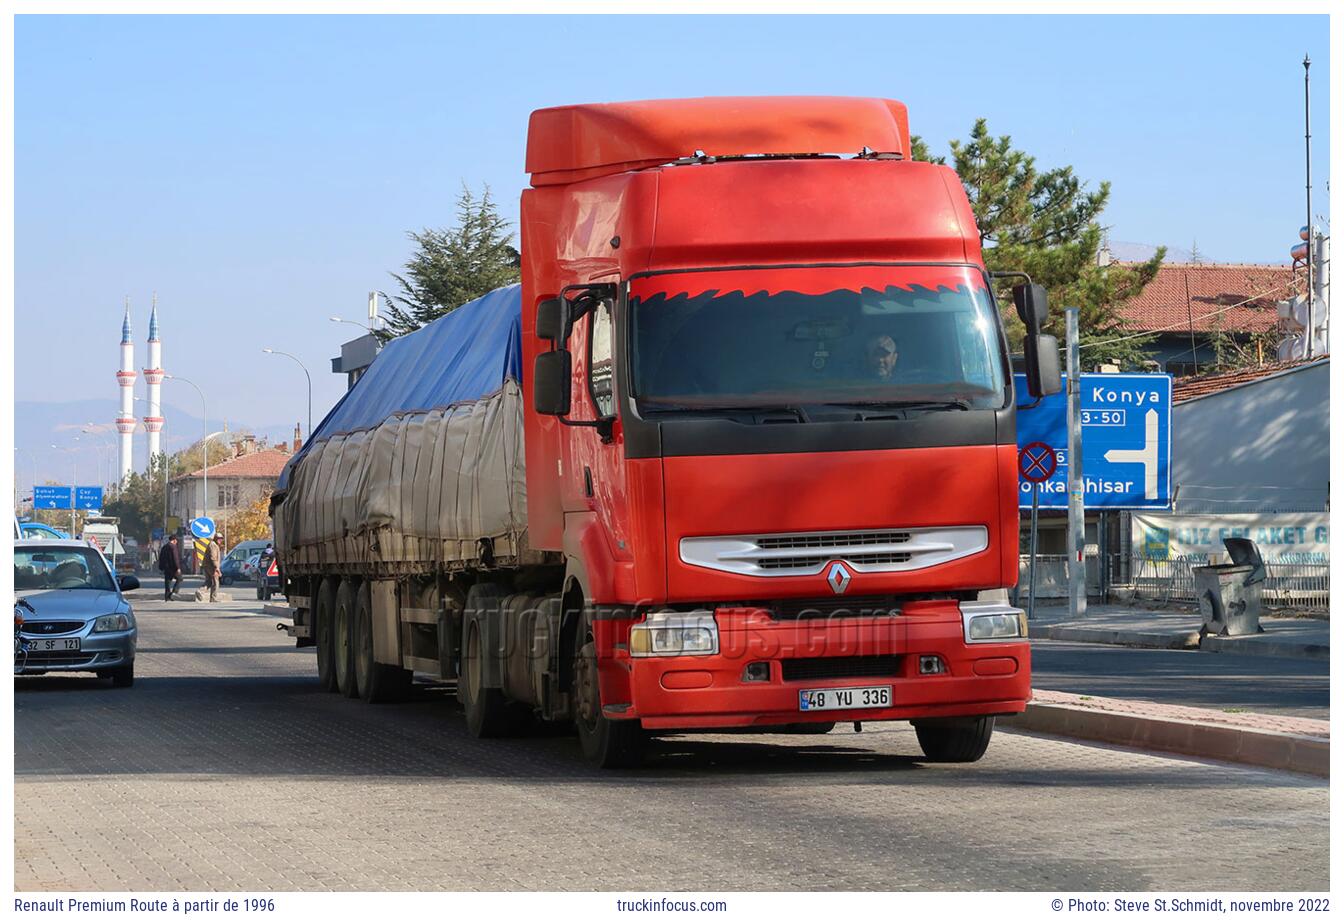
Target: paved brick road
225, 768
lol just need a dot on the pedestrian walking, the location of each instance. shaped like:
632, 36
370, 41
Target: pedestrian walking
214, 557
170, 564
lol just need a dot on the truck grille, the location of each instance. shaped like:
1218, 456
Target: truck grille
864, 551
852, 666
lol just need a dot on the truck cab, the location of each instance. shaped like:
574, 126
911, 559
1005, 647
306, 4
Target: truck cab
771, 420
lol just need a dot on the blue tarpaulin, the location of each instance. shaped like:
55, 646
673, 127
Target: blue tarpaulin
460, 357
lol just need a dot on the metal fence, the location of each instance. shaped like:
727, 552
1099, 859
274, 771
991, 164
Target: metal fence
1302, 585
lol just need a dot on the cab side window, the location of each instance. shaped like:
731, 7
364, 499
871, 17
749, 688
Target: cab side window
601, 360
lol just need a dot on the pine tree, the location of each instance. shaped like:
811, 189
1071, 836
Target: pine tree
1047, 224
452, 266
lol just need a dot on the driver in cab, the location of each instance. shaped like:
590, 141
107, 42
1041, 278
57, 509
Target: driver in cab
882, 355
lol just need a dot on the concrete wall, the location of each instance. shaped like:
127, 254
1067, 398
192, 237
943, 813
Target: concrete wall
1262, 447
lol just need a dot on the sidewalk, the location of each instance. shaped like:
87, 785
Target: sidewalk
1276, 741
1140, 627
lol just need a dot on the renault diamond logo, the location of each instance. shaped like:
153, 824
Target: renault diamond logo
838, 578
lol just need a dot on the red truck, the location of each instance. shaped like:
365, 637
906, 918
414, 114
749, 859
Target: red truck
739, 452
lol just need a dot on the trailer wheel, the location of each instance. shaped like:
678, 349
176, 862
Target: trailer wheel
606, 742
323, 635
342, 632
377, 683
954, 740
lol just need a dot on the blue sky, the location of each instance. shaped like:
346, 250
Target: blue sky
261, 173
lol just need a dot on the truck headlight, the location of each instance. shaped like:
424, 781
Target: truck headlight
113, 622
670, 632
992, 622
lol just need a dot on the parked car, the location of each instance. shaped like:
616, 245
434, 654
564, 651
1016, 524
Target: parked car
248, 569
35, 530
79, 617
231, 569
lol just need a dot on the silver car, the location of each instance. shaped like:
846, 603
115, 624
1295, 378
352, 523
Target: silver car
76, 618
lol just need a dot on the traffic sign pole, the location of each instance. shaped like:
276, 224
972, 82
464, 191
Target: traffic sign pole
1031, 579
1036, 462
1077, 525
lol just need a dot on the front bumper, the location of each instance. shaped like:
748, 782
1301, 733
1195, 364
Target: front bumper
975, 678
97, 652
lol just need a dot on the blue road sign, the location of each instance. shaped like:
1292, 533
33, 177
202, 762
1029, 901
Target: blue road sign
203, 528
1126, 441
89, 497
51, 496
156, 534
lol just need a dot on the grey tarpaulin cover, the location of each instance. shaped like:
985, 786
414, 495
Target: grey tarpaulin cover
422, 459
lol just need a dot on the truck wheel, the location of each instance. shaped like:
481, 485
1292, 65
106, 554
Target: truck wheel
606, 742
378, 683
954, 740
486, 708
322, 634
342, 629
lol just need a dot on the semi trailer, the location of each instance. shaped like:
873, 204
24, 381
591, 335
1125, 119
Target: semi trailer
739, 452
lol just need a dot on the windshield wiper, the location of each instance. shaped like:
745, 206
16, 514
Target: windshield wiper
933, 405
796, 411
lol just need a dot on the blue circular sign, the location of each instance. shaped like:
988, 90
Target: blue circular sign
203, 528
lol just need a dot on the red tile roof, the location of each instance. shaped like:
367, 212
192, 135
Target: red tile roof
1250, 291
263, 464
1183, 388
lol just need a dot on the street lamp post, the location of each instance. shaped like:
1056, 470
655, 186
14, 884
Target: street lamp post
32, 459
337, 319
74, 486
205, 441
274, 351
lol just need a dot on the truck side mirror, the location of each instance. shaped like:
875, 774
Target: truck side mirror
551, 382
553, 320
1031, 306
1040, 353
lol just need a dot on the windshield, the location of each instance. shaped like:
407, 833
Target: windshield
60, 567
888, 335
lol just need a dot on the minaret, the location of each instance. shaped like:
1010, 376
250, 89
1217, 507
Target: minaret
126, 380
153, 379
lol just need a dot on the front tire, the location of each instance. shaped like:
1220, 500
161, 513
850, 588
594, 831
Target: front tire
954, 740
342, 633
123, 677
606, 743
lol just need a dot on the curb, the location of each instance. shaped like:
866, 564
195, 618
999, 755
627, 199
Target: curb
1124, 637
1253, 747
1235, 645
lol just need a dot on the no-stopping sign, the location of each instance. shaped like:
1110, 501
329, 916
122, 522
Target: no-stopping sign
1036, 462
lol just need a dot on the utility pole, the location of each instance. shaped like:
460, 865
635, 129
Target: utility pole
1077, 525
1311, 293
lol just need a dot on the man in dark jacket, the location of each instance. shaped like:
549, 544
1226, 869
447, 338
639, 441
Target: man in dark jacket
170, 564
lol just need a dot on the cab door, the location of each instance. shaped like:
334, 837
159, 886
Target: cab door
599, 450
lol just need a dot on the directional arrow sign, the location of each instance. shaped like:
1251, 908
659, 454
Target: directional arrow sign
51, 496
203, 528
1126, 441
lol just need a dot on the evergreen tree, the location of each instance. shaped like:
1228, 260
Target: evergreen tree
452, 266
1047, 224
